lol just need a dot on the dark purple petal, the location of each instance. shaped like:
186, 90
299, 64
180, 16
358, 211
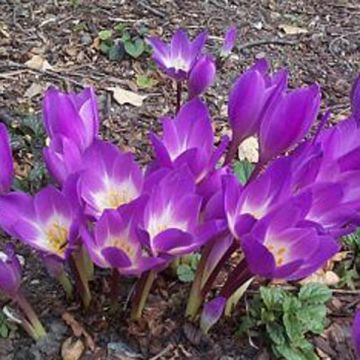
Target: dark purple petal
116, 257
202, 76
211, 313
6, 161
174, 242
10, 272
355, 100
229, 41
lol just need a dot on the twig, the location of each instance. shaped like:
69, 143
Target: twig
152, 10
341, 37
266, 42
162, 352
53, 74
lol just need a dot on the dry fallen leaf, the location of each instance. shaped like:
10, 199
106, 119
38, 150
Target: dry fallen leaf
292, 30
249, 150
33, 90
328, 278
123, 96
72, 349
38, 63
78, 330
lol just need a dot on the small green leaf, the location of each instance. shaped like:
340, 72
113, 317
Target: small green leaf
134, 48
243, 170
116, 52
313, 317
272, 297
145, 82
314, 293
105, 48
120, 27
294, 327
185, 273
276, 333
289, 352
4, 330
105, 35
194, 260
125, 37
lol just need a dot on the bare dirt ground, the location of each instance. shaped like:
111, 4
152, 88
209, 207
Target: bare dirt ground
317, 40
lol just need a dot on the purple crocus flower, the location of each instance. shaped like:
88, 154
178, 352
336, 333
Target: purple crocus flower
114, 242
177, 58
6, 161
10, 271
47, 222
356, 333
73, 115
109, 178
72, 123
229, 41
287, 121
249, 98
188, 139
279, 247
201, 76
171, 215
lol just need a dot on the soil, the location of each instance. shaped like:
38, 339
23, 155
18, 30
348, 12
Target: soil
317, 40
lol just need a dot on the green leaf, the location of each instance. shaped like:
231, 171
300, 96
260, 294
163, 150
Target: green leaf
194, 260
120, 27
105, 48
4, 330
289, 353
276, 333
314, 293
134, 48
272, 297
291, 304
125, 37
116, 52
105, 35
145, 82
247, 322
185, 273
243, 170
294, 327
314, 317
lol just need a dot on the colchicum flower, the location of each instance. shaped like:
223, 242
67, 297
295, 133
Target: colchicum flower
72, 124
229, 41
253, 93
6, 162
178, 58
109, 178
114, 242
188, 139
47, 223
10, 285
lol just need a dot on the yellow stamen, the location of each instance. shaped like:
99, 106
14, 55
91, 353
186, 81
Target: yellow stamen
57, 236
278, 253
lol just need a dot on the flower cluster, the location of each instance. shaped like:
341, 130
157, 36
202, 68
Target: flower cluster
106, 210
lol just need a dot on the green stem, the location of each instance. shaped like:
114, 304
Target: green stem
142, 291
32, 323
87, 264
81, 278
195, 298
67, 285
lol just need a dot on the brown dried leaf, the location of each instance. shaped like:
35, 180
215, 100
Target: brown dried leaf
292, 30
249, 150
38, 63
123, 96
34, 90
72, 349
78, 330
328, 278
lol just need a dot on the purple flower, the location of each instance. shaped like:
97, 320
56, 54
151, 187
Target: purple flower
72, 123
202, 76
10, 272
355, 100
62, 158
356, 333
114, 242
6, 161
229, 41
177, 58
188, 139
109, 178
47, 223
212, 312
244, 206
251, 95
72, 115
287, 121
280, 247
171, 215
